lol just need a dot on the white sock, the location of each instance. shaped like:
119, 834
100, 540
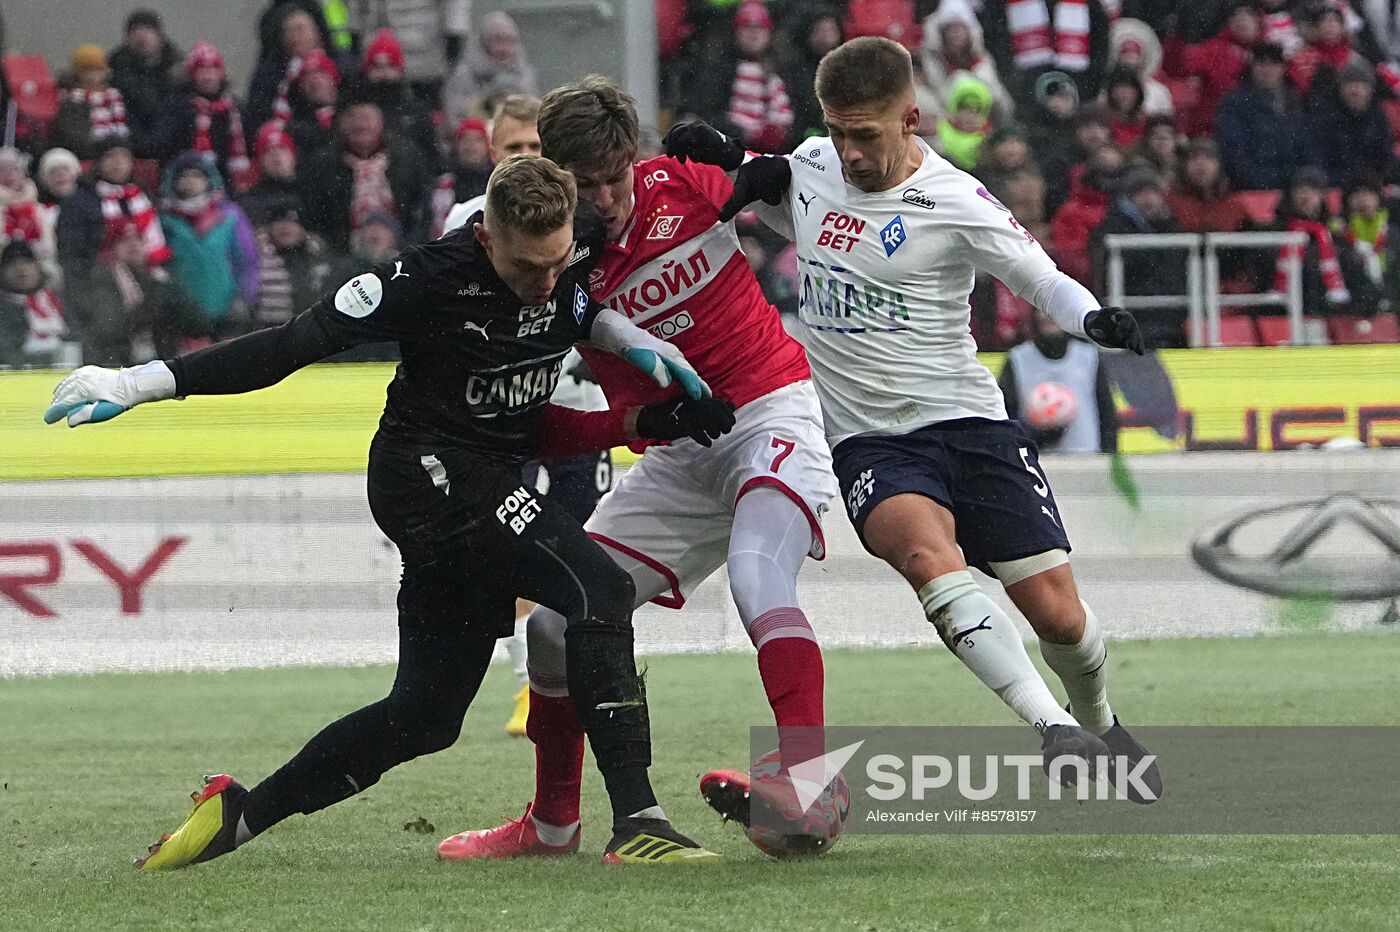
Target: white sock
241, 832
650, 812
1083, 668
983, 638
516, 650
555, 835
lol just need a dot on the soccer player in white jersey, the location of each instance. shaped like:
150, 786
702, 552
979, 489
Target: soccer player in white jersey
934, 475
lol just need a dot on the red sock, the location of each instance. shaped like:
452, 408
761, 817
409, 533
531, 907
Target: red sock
554, 727
790, 664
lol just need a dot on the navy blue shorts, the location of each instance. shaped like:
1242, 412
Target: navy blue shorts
985, 472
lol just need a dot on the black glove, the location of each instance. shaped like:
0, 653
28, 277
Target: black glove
765, 178
703, 420
1115, 328
699, 141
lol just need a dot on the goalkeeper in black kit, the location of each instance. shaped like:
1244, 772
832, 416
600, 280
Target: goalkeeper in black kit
483, 318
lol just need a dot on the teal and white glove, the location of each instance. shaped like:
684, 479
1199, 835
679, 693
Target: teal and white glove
92, 394
662, 362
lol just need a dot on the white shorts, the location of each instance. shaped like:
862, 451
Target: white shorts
673, 511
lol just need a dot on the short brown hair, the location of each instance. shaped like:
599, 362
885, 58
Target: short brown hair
589, 124
530, 195
868, 70
520, 107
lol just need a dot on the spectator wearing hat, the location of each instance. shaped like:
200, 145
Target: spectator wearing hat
106, 206
205, 118
1123, 99
470, 167
738, 87
91, 112
296, 267
817, 32
492, 67
55, 180
32, 327
383, 79
363, 171
275, 168
1074, 223
215, 255
22, 218
1326, 269
143, 69
1219, 63
1134, 46
1349, 129
1260, 126
959, 136
953, 47
312, 100
432, 34
1052, 119
1029, 38
1201, 200
1140, 207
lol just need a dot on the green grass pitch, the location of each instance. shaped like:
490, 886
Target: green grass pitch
94, 768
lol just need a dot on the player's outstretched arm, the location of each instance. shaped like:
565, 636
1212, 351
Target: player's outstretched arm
659, 360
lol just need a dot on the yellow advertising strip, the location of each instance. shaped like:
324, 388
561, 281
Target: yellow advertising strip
321, 419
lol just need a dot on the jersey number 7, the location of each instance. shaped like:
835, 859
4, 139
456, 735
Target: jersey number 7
784, 448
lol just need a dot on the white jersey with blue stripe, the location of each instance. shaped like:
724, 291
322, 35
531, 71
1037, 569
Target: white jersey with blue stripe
885, 279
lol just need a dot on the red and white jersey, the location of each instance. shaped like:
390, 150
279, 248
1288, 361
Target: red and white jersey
679, 273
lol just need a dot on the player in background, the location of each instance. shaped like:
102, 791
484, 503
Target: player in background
574, 482
483, 319
753, 500
934, 476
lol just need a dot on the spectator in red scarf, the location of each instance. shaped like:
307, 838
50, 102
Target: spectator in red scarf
297, 267
1074, 223
953, 47
206, 118
57, 177
1303, 208
1201, 200
470, 167
92, 112
385, 82
32, 327
1218, 63
296, 29
1123, 97
22, 218
275, 168
363, 171
106, 206
738, 86
312, 101
1325, 51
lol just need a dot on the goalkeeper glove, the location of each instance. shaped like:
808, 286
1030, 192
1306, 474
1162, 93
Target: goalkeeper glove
696, 140
1114, 328
703, 420
92, 394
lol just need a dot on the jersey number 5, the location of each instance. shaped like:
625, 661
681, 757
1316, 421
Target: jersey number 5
1041, 487
784, 448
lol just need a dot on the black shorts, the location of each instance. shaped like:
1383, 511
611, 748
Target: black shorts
575, 483
985, 472
471, 535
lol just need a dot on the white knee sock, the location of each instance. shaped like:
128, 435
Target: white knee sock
1083, 668
983, 638
517, 651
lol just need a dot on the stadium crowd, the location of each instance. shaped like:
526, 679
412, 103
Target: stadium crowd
149, 207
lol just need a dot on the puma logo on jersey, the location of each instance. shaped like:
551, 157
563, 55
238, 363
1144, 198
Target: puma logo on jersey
398, 271
479, 328
805, 201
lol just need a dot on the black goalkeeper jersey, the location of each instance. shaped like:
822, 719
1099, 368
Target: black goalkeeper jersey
477, 364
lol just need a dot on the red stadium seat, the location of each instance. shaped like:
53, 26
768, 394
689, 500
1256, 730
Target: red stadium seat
1383, 328
1261, 205
1238, 331
32, 84
1274, 331
893, 19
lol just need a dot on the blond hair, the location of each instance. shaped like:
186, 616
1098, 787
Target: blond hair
589, 124
530, 195
519, 107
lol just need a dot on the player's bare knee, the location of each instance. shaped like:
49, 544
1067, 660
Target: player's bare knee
1050, 601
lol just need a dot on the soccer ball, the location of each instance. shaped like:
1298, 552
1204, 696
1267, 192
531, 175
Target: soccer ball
1051, 406
823, 824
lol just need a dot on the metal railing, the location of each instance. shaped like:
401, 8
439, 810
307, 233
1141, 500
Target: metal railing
1203, 298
